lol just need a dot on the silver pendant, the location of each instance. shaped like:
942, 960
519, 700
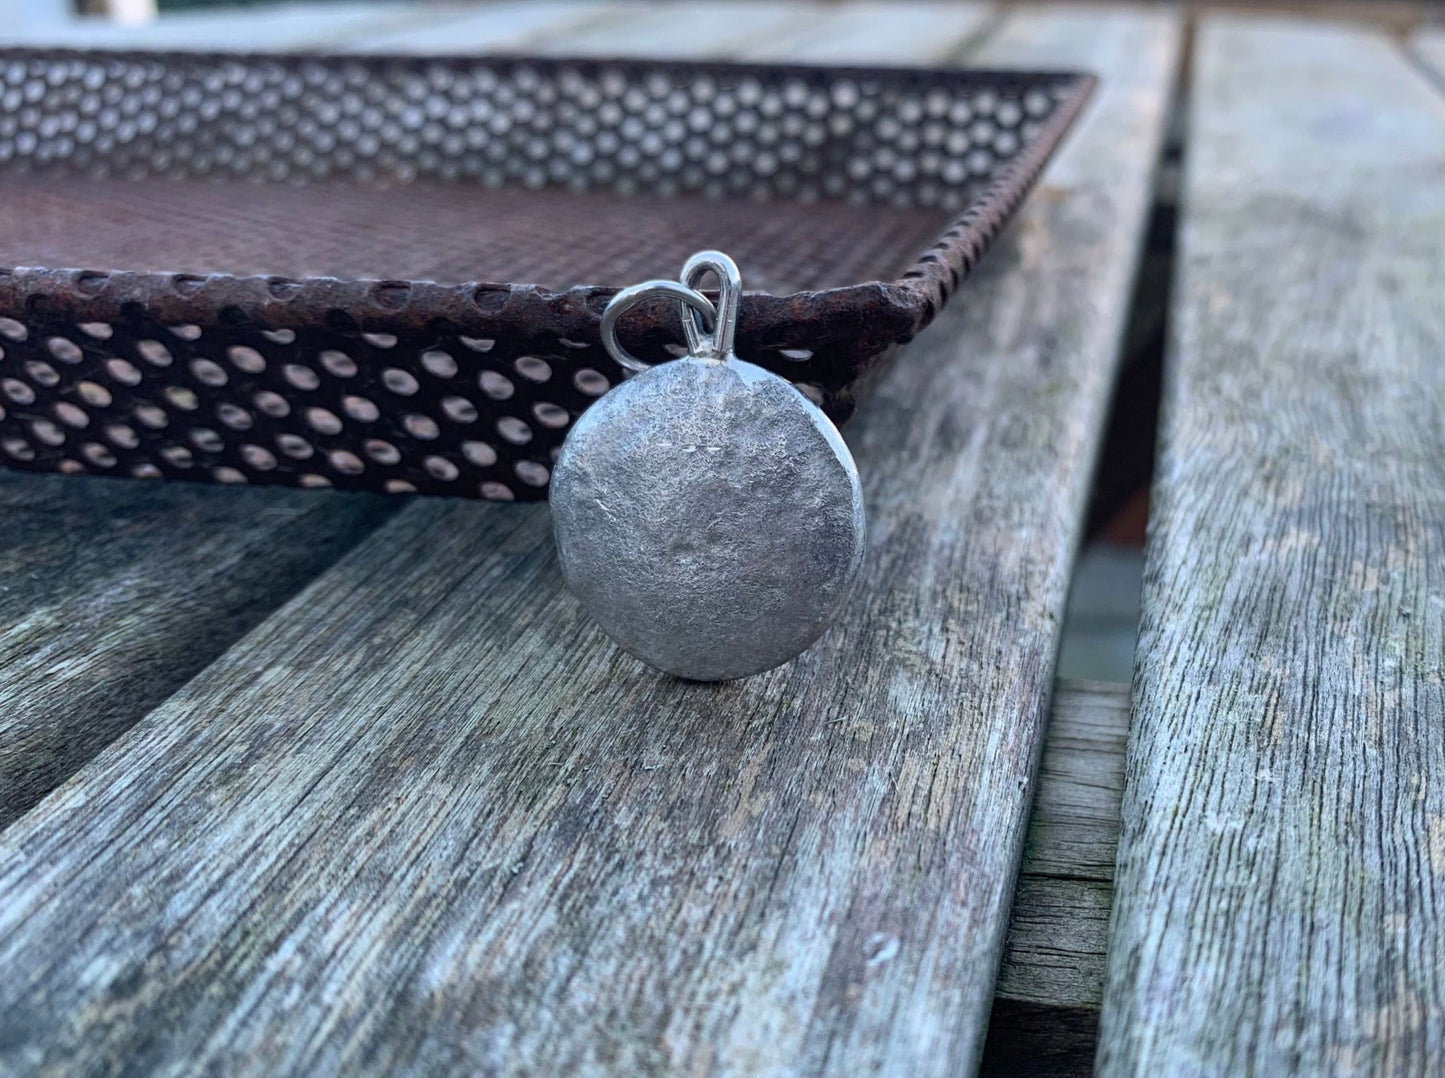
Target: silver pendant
707, 514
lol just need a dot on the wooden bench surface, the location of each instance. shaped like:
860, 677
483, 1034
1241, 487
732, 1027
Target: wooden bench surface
419, 817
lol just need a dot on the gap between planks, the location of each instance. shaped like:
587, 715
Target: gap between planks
1044, 1022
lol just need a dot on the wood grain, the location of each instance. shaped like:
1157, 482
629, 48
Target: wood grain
113, 593
1280, 908
426, 820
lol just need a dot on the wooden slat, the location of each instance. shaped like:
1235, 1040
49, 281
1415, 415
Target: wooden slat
1280, 907
426, 819
27, 14
867, 32
1429, 48
698, 29
518, 24
113, 593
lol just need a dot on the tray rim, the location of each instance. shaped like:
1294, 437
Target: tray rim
876, 314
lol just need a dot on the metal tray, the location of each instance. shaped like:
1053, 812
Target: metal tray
286, 269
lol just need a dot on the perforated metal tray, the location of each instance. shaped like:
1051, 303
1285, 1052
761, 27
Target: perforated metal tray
288, 269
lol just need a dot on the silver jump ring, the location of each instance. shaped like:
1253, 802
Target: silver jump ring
690, 300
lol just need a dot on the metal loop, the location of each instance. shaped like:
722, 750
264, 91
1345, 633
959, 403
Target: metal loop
692, 303
730, 288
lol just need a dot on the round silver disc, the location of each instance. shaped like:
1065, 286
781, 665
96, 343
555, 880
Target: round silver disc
710, 518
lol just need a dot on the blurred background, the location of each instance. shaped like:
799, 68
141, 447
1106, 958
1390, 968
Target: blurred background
345, 20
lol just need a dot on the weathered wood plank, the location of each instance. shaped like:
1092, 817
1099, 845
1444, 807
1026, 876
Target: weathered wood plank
866, 32
1429, 48
23, 15
1279, 905
1057, 942
517, 24
699, 29
113, 593
448, 827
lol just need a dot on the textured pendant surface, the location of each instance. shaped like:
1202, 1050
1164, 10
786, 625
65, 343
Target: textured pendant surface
708, 516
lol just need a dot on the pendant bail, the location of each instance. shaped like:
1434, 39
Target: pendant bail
718, 344
710, 330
